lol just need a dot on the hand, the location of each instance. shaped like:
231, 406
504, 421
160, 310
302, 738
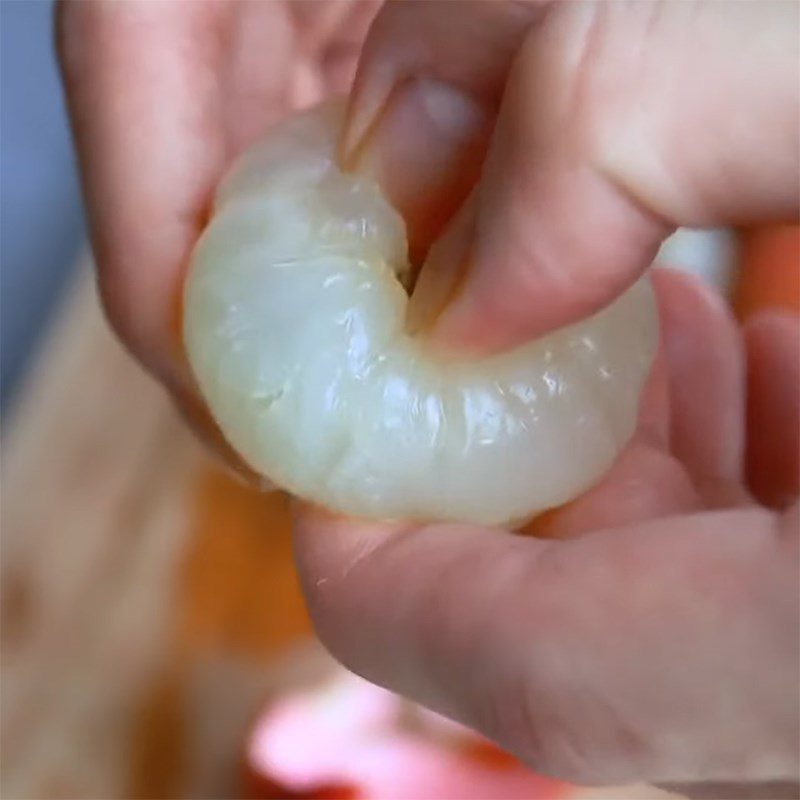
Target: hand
661, 643
657, 638
603, 126
162, 96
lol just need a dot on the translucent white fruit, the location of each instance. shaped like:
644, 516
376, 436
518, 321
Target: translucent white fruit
294, 326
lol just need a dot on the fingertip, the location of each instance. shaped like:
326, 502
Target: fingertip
467, 45
645, 483
705, 362
329, 544
424, 147
552, 246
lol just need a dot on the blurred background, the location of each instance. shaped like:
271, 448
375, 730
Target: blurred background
41, 222
154, 639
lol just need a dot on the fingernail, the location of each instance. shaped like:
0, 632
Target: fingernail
425, 150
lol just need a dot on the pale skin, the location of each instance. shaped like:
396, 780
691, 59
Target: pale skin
656, 638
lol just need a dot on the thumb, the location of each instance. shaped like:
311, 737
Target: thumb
617, 123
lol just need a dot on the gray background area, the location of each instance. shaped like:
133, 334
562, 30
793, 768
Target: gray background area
41, 221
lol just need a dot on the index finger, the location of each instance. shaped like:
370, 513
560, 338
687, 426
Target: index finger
604, 141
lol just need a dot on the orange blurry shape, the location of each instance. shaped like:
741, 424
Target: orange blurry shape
770, 270
240, 591
486, 754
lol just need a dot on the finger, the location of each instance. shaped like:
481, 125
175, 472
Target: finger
687, 451
317, 21
427, 185
705, 362
196, 415
158, 106
773, 407
765, 790
602, 145
306, 84
604, 141
645, 482
428, 86
624, 655
468, 47
340, 54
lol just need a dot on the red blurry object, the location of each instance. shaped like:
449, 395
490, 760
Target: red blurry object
261, 787
350, 739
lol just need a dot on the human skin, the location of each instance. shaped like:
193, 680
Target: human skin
654, 636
